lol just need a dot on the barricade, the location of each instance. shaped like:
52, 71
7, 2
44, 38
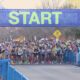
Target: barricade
3, 69
7, 72
69, 57
78, 59
13, 74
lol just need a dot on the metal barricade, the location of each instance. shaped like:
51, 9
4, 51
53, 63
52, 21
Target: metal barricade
7, 72
13, 74
78, 59
3, 69
69, 57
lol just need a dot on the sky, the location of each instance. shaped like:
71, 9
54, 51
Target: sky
28, 4
32, 4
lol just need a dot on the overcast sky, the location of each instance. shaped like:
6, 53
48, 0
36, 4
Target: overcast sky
33, 4
21, 3
28, 4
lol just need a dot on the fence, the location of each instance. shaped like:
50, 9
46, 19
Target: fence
7, 72
69, 57
3, 69
72, 58
78, 59
13, 74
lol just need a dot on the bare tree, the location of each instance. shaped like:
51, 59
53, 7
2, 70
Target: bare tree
56, 4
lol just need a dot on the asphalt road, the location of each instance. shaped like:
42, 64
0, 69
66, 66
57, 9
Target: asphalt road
50, 72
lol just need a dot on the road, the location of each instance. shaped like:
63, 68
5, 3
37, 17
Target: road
50, 72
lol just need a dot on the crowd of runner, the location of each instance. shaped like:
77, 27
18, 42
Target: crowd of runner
40, 52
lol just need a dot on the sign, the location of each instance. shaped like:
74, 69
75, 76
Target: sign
57, 33
40, 17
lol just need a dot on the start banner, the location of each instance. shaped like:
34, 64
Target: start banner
39, 17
